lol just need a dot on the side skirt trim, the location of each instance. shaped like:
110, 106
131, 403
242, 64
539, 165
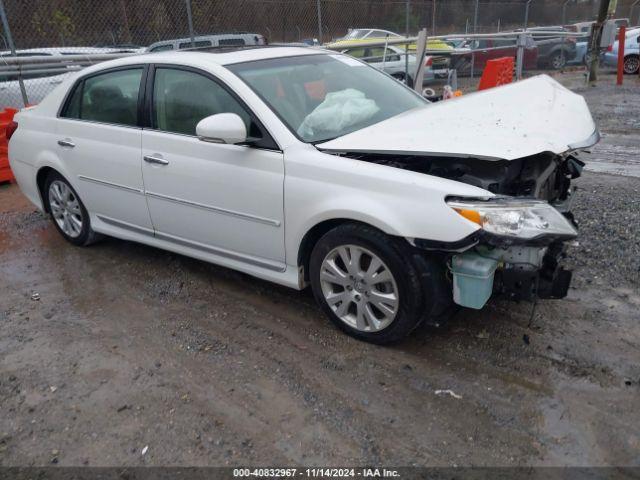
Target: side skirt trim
273, 266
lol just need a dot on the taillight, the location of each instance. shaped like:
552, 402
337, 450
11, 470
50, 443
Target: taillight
11, 127
610, 48
428, 61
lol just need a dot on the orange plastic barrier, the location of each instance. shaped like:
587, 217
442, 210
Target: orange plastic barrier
6, 117
497, 72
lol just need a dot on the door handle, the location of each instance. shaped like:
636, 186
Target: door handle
155, 160
66, 143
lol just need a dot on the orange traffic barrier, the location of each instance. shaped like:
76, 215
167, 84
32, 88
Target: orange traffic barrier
497, 72
6, 117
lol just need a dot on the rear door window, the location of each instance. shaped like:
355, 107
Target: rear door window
111, 97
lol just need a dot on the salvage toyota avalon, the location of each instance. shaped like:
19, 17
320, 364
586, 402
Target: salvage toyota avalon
300, 166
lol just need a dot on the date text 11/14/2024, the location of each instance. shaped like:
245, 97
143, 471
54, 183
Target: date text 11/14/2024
317, 472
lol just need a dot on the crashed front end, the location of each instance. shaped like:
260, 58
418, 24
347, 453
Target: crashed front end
520, 144
518, 248
517, 252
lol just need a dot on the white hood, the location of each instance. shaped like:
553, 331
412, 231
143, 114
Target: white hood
508, 122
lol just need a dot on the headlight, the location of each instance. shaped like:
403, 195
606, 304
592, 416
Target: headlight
512, 217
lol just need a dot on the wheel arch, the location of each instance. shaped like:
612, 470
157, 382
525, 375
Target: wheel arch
41, 178
314, 234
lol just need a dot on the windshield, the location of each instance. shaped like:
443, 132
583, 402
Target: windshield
320, 97
355, 34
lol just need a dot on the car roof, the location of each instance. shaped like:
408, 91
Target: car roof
216, 56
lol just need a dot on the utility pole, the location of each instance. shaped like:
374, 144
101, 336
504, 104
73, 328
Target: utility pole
433, 17
631, 12
319, 21
407, 7
406, 45
564, 12
190, 22
606, 7
526, 14
475, 30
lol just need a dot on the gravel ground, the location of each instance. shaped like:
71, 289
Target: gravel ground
607, 208
122, 354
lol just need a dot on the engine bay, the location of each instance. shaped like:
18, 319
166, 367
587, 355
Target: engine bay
545, 176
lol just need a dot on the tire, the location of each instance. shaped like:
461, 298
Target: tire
631, 64
558, 60
68, 213
412, 285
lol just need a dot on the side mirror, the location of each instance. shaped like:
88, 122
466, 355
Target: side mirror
222, 128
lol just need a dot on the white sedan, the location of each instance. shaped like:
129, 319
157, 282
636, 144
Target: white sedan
301, 166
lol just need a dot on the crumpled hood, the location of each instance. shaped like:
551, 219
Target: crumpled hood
513, 121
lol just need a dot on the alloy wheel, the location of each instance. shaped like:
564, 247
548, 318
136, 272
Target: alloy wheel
359, 288
65, 208
631, 65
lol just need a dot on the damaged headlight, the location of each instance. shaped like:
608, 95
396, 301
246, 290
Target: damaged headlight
517, 218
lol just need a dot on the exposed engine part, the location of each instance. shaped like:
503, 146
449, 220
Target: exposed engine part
545, 176
518, 273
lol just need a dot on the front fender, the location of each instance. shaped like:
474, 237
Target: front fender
321, 187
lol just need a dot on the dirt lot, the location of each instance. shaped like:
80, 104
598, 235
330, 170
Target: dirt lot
121, 354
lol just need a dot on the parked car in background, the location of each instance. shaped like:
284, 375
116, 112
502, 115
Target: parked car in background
481, 50
585, 27
582, 54
367, 33
307, 167
38, 84
395, 62
631, 52
214, 40
553, 52
361, 35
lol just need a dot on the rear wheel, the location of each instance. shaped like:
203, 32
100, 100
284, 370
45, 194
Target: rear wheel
373, 286
631, 64
68, 213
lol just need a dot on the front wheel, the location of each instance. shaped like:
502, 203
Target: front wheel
373, 286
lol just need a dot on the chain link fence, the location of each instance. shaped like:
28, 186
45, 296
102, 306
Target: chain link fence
59, 27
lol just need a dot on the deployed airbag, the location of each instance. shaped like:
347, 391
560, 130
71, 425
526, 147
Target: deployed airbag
338, 112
